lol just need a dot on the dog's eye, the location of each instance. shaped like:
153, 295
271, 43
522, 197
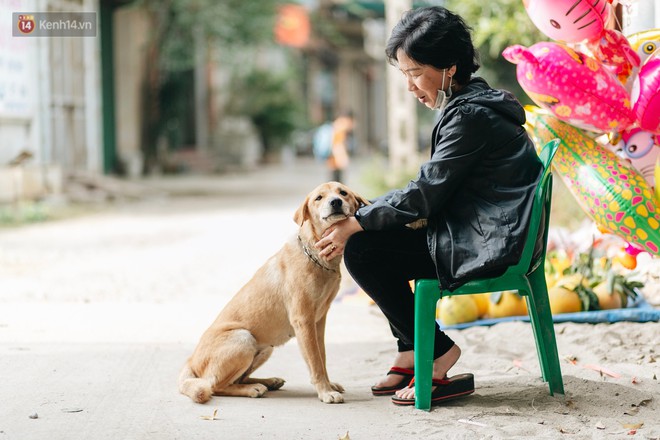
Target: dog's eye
319, 197
343, 193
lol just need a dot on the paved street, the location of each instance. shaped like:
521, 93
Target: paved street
98, 314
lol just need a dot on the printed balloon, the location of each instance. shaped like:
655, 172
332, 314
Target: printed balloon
657, 179
645, 43
641, 148
570, 21
613, 50
615, 196
645, 94
575, 21
574, 87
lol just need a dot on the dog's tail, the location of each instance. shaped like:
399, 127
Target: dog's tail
197, 388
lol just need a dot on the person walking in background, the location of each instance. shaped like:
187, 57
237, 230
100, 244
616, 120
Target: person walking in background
476, 192
342, 130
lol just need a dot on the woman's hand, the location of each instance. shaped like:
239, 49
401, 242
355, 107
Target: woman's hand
334, 239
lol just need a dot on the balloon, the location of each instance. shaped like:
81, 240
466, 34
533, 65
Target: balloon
569, 20
613, 195
657, 179
645, 94
614, 50
574, 21
641, 148
574, 87
645, 43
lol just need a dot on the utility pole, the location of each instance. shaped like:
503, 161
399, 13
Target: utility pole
401, 116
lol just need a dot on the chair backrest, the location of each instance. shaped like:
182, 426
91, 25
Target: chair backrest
541, 203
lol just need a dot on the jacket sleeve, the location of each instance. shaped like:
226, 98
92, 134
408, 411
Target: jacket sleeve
461, 142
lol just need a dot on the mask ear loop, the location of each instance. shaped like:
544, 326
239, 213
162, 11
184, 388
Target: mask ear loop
449, 90
443, 96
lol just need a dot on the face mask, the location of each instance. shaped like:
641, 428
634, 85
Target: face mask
443, 97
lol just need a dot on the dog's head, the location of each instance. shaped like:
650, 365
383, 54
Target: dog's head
328, 203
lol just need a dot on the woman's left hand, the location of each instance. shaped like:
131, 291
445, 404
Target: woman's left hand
334, 239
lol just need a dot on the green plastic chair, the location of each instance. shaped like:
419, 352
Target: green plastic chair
527, 277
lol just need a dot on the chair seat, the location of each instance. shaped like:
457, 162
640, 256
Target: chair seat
531, 284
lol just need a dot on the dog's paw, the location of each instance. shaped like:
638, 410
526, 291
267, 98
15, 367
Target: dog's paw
335, 386
257, 390
274, 383
331, 397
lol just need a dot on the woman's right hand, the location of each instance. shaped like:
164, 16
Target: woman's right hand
334, 239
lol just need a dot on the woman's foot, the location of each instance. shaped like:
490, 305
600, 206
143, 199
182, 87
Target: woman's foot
441, 367
403, 359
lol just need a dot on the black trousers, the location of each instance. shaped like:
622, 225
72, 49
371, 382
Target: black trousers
382, 263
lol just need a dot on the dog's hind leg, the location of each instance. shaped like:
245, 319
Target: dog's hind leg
272, 383
232, 358
198, 389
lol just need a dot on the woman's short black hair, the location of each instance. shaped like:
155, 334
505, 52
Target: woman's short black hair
435, 36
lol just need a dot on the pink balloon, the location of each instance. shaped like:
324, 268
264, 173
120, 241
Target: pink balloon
646, 94
574, 87
613, 50
570, 21
575, 21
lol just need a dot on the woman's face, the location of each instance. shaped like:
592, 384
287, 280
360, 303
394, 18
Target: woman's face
424, 80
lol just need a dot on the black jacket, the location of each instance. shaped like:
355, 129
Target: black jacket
476, 190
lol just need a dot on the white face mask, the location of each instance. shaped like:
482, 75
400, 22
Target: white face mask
443, 97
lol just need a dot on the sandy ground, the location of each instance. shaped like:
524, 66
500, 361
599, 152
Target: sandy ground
98, 314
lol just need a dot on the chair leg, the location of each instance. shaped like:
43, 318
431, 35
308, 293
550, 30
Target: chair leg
549, 355
538, 336
426, 298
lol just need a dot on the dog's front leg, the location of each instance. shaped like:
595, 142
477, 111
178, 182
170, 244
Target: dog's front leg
320, 335
308, 341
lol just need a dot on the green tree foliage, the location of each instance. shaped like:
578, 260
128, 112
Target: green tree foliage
183, 23
268, 99
176, 30
497, 25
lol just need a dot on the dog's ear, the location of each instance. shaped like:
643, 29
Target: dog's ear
302, 213
361, 201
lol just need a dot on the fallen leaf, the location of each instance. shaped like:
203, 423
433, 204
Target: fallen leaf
213, 417
633, 425
602, 370
600, 425
345, 437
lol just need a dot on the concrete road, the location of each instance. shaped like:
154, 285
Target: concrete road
98, 314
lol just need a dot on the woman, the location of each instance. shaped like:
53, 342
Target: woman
476, 192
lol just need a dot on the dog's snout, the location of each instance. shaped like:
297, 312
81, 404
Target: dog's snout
336, 203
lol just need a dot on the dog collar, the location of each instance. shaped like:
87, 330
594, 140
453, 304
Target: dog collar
311, 257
